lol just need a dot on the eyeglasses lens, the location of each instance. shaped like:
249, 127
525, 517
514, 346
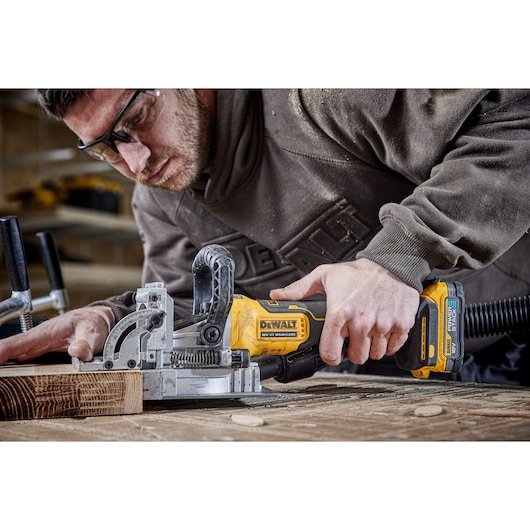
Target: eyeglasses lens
137, 119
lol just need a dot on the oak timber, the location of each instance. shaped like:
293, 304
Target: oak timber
59, 391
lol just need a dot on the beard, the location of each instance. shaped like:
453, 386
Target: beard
191, 141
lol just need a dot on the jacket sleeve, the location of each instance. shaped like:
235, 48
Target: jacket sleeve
168, 254
473, 207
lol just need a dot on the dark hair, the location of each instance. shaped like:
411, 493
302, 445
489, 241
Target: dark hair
58, 102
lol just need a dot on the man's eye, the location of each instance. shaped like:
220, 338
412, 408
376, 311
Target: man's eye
134, 120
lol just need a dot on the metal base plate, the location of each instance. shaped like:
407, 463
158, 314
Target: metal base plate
265, 393
186, 383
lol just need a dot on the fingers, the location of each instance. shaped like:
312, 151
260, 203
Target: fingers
375, 346
23, 346
396, 341
81, 332
332, 341
382, 336
363, 342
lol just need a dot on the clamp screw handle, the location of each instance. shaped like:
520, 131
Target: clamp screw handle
14, 254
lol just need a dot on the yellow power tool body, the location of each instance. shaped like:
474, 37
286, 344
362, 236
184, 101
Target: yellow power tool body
281, 336
292, 329
275, 327
230, 343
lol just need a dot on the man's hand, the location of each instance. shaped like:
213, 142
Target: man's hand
364, 302
81, 332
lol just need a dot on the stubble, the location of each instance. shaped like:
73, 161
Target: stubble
192, 132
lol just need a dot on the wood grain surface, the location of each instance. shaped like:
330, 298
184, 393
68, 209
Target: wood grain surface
58, 391
325, 407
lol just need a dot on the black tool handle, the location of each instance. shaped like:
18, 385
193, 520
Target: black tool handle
213, 288
14, 254
50, 258
292, 366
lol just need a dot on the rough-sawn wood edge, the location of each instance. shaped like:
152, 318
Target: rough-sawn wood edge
59, 391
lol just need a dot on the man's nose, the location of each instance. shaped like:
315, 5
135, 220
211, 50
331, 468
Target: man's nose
135, 155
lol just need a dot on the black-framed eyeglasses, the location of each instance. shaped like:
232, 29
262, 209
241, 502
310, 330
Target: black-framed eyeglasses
136, 117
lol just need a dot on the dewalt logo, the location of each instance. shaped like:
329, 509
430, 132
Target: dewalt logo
278, 324
278, 328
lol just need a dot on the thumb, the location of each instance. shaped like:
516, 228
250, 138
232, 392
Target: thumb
90, 332
81, 349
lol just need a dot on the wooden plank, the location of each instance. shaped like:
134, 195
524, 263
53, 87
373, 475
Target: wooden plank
325, 407
59, 391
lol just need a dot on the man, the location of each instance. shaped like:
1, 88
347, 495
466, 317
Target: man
363, 196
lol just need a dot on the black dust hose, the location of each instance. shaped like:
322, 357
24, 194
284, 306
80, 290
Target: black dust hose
511, 315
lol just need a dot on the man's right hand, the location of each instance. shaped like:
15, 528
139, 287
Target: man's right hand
80, 332
365, 304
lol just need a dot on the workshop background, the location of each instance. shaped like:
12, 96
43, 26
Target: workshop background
51, 186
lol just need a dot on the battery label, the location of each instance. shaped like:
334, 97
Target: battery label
451, 347
452, 315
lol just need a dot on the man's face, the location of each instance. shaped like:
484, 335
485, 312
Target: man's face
170, 152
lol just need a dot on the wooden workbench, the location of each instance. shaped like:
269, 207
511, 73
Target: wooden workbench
326, 407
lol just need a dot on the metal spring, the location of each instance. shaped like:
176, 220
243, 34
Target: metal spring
494, 318
194, 359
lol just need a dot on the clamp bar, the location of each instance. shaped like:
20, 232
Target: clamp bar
15, 259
